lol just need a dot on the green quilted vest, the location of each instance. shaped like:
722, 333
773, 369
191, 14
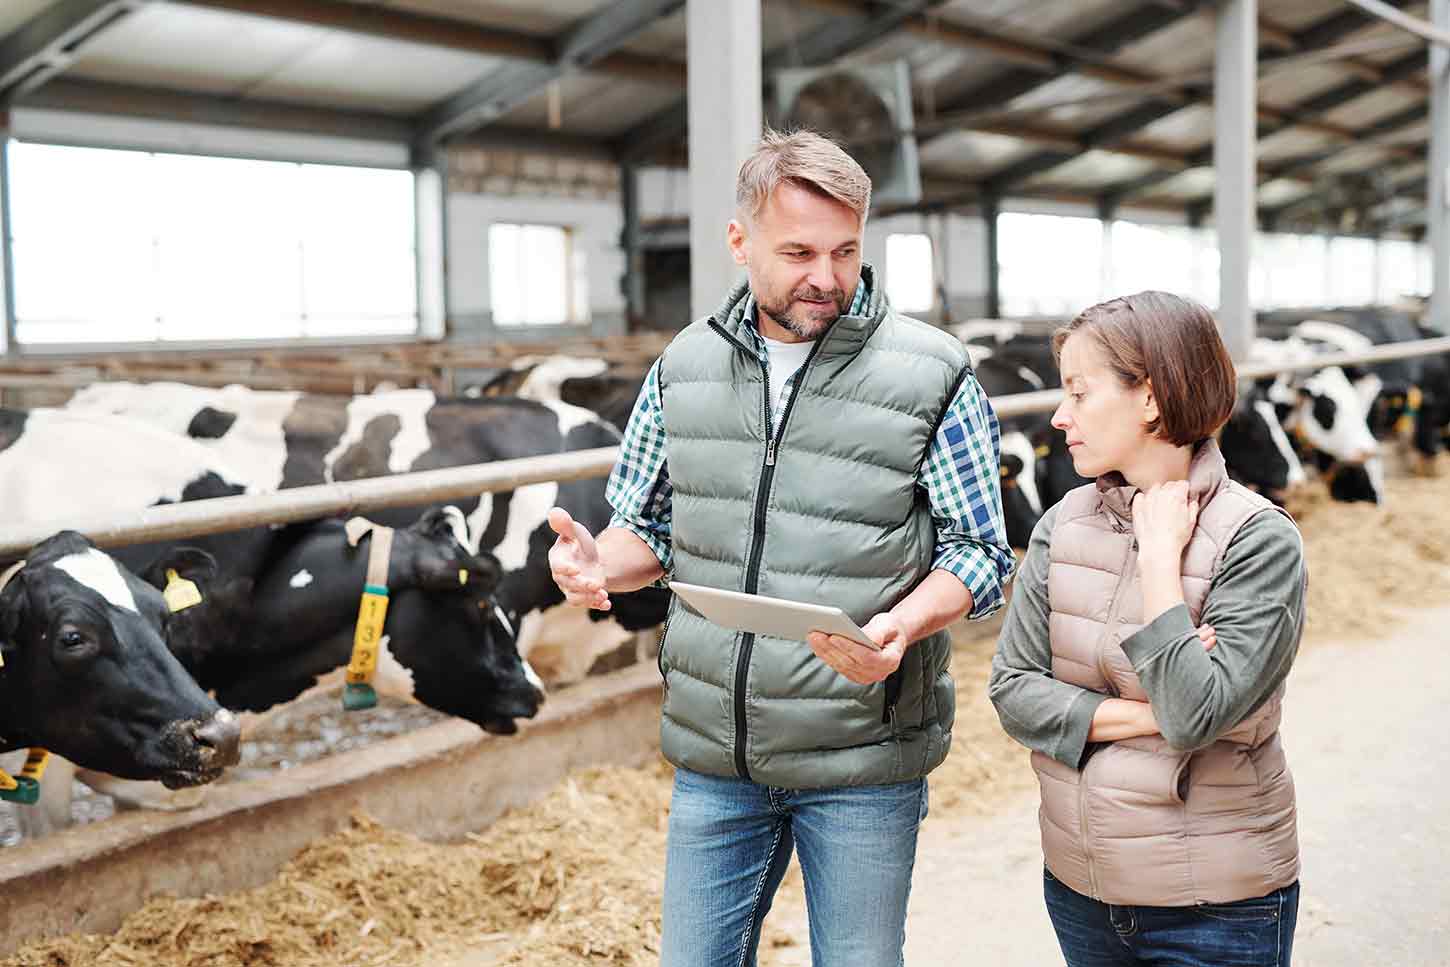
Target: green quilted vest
830, 513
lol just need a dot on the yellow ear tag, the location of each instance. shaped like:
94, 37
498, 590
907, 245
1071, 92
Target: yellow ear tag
35, 763
180, 593
7, 782
372, 613
462, 576
1043, 452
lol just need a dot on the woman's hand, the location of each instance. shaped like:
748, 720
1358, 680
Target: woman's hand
1163, 520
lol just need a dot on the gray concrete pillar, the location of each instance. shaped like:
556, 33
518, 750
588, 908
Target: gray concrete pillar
723, 48
1438, 216
430, 187
1235, 93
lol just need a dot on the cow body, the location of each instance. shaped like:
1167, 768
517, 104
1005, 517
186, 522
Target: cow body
318, 439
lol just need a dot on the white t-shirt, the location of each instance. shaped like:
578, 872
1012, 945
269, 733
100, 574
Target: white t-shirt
785, 359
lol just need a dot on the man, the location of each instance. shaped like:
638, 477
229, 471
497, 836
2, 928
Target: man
804, 442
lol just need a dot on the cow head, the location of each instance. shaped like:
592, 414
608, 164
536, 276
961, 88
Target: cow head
446, 643
1257, 450
1332, 416
88, 675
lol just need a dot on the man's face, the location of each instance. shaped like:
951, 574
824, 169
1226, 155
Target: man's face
803, 253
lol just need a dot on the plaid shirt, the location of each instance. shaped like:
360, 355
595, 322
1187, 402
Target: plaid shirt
960, 475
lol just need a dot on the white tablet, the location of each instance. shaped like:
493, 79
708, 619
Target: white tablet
769, 616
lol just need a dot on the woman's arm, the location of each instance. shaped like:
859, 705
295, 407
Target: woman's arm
1256, 607
1044, 714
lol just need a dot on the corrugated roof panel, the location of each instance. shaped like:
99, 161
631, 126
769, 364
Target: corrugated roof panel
1363, 111
1057, 20
524, 16
1298, 14
969, 154
1193, 183
1290, 85
1188, 128
1093, 170
1183, 47
1096, 106
1292, 142
192, 49
15, 13
594, 106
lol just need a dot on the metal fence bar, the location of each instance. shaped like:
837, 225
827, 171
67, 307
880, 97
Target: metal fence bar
1046, 401
197, 518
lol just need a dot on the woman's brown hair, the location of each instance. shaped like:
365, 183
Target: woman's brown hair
1171, 343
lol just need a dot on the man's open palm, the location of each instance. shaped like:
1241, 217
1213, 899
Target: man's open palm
574, 562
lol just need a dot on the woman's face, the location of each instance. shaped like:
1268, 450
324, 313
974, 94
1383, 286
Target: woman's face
1105, 422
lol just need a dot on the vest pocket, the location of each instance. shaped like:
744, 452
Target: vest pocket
891, 694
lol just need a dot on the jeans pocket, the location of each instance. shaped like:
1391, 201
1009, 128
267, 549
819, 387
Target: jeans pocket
1257, 910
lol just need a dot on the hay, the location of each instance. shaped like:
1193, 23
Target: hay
575, 879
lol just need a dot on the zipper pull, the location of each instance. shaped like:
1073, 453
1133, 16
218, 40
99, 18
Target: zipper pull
770, 454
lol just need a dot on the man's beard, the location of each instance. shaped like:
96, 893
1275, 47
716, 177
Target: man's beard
803, 320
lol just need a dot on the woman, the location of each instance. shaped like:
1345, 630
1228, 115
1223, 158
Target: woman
1143, 658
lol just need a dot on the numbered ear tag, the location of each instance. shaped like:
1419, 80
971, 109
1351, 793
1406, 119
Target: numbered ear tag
371, 615
180, 593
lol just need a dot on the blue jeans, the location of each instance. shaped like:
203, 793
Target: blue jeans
1246, 933
730, 842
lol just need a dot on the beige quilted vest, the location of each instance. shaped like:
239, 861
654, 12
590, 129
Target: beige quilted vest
1143, 823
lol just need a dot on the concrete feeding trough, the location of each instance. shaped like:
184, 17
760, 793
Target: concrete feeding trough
439, 783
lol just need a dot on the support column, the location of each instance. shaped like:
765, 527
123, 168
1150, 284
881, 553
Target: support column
8, 344
632, 284
1234, 148
1107, 214
723, 50
430, 191
1438, 215
991, 208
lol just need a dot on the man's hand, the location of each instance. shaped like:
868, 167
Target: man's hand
574, 562
860, 664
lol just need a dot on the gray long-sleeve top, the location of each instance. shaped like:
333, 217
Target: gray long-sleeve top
1255, 604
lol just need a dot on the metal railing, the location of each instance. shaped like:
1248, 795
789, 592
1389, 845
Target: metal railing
198, 518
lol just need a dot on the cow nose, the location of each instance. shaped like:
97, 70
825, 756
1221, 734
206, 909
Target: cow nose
220, 739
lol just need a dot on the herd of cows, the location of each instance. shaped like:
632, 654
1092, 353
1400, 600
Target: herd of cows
97, 667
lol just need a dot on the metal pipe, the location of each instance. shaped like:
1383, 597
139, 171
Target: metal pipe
214, 516
1376, 8
1045, 401
196, 518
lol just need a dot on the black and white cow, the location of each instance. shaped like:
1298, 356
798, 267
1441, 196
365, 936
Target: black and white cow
1327, 413
87, 673
1256, 448
1021, 503
276, 440
48, 468
279, 605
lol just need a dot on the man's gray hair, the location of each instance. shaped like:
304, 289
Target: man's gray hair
803, 158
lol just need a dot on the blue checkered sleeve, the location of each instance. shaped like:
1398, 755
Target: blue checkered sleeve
963, 482
639, 486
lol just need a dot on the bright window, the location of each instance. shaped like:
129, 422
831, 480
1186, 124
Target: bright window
1351, 272
1400, 271
1158, 257
1050, 264
909, 275
124, 246
537, 276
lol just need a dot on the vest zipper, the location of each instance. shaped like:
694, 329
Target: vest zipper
1114, 608
757, 540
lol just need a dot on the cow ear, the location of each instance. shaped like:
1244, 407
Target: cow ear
191, 563
443, 523
13, 602
476, 574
